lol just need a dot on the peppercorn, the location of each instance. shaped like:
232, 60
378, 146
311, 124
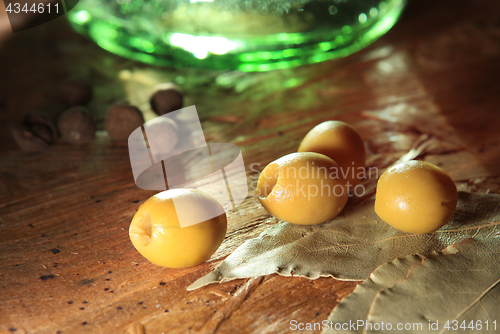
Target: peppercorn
166, 98
121, 120
76, 126
75, 92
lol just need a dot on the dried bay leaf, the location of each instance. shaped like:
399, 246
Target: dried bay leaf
352, 245
460, 283
356, 306
458, 288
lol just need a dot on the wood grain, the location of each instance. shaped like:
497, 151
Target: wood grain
66, 262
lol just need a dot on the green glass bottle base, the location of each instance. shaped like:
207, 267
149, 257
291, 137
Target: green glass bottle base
219, 52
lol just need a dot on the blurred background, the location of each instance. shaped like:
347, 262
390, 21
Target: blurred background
217, 61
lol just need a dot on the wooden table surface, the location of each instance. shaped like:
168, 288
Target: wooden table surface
66, 262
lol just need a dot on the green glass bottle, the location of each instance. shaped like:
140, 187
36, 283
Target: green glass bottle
246, 35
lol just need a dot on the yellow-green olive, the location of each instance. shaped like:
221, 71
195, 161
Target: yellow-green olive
157, 233
339, 141
302, 188
416, 197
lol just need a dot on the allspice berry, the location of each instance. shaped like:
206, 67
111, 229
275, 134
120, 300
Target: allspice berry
40, 125
76, 126
36, 132
162, 135
121, 120
167, 98
27, 141
75, 92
